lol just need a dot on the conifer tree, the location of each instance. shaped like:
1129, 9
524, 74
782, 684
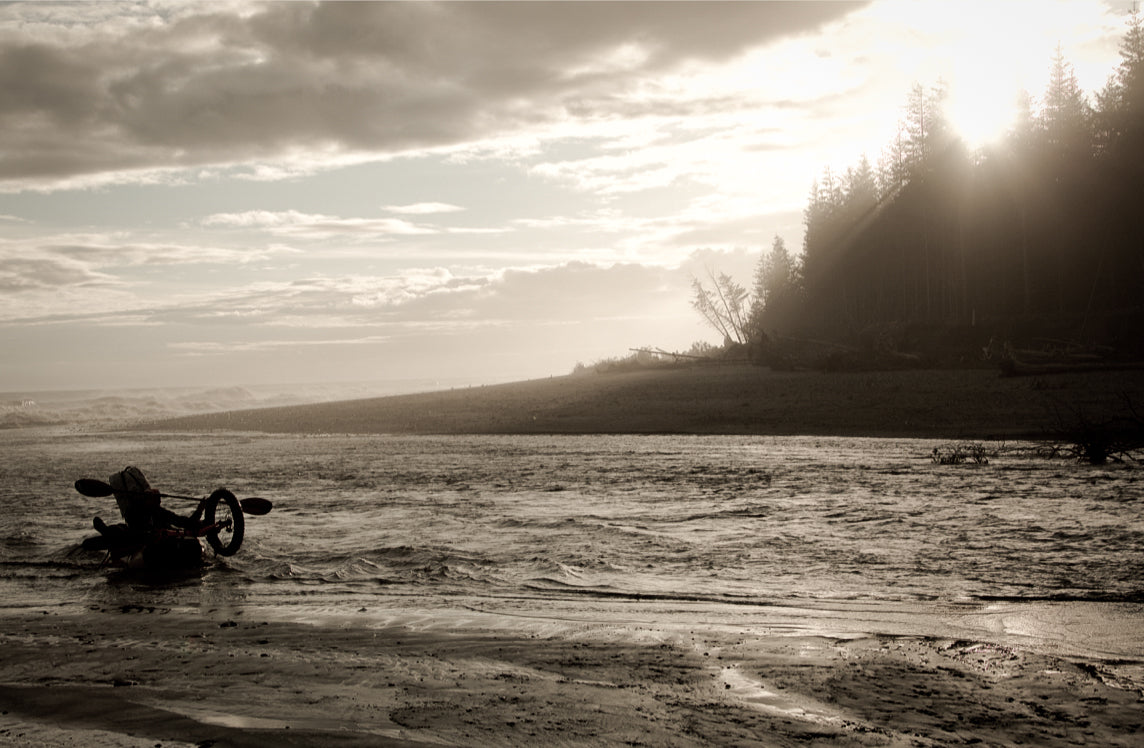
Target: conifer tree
925, 128
1121, 102
1130, 73
1065, 114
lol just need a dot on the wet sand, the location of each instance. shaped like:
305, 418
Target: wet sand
131, 676
155, 677
729, 399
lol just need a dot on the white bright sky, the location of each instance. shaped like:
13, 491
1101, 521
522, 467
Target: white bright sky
246, 193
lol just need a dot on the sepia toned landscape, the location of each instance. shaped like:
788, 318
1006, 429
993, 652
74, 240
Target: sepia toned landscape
689, 374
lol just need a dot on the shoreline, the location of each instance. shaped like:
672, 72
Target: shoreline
141, 676
737, 399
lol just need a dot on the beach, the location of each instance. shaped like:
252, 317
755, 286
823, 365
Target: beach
144, 676
474, 374
594, 589
725, 399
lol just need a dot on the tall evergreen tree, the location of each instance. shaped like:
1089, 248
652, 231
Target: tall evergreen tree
756, 319
779, 275
861, 186
1065, 114
892, 165
1121, 102
1130, 73
925, 128
1024, 122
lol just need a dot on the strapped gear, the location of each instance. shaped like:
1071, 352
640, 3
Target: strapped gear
136, 506
129, 480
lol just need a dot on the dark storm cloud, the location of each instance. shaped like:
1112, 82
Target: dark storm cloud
38, 79
203, 86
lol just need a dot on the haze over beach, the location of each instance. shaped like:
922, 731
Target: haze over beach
321, 423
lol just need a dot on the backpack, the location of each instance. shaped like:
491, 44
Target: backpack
129, 485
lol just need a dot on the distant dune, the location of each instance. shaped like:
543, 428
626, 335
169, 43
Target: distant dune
734, 399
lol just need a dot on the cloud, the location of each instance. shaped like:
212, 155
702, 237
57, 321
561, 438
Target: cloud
18, 274
102, 251
89, 276
606, 220
207, 348
137, 254
316, 226
420, 209
483, 324
305, 83
419, 297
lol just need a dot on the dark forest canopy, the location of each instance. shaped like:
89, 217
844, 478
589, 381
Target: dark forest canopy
1042, 231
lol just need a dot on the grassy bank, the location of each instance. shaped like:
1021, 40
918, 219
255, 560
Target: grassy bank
737, 399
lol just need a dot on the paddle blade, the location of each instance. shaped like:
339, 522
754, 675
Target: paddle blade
92, 487
256, 506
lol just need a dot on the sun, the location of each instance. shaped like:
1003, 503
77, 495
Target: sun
984, 81
981, 109
987, 54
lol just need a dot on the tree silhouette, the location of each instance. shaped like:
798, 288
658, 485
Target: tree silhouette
723, 305
1066, 113
1042, 233
775, 291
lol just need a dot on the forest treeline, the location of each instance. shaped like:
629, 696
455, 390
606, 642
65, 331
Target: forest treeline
1041, 234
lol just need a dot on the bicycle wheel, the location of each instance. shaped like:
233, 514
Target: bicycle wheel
223, 507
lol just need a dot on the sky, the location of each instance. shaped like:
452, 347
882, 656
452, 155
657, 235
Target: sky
235, 193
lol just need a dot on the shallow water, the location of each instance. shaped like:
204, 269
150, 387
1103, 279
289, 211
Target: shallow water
838, 533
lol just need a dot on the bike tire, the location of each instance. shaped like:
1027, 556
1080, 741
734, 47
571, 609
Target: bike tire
222, 505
